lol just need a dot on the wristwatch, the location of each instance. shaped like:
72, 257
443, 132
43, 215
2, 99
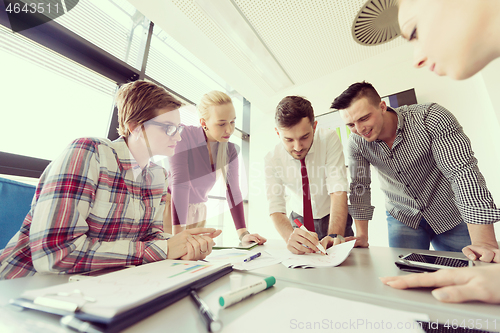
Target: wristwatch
342, 239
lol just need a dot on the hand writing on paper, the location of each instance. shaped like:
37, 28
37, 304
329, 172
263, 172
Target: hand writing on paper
361, 241
482, 252
456, 285
301, 242
254, 238
192, 244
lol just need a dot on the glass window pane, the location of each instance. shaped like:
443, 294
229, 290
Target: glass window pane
48, 100
113, 25
238, 108
189, 115
175, 67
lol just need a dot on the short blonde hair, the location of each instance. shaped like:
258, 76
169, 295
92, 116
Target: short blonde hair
212, 98
139, 101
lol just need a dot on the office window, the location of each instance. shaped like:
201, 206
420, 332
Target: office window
113, 25
48, 100
175, 67
53, 99
238, 108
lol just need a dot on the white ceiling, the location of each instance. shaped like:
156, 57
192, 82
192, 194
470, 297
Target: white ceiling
309, 38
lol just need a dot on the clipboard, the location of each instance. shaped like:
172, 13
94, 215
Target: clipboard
133, 314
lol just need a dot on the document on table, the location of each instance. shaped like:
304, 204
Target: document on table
236, 257
109, 295
336, 255
286, 311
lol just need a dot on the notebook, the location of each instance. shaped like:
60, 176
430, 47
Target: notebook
117, 300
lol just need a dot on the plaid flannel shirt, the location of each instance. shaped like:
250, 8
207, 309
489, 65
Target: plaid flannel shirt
93, 208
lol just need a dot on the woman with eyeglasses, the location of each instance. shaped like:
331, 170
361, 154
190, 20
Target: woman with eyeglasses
101, 203
203, 156
456, 38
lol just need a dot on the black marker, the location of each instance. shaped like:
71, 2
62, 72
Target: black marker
213, 324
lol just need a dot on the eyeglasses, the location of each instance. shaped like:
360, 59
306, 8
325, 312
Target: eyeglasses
170, 130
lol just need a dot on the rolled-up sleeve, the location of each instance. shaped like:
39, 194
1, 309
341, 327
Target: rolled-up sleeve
360, 206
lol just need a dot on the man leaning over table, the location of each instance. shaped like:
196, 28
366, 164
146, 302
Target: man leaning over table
427, 171
321, 151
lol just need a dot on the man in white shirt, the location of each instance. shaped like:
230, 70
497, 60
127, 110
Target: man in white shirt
324, 160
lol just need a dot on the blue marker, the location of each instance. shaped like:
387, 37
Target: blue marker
255, 256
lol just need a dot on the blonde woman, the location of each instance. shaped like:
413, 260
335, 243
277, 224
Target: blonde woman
456, 38
100, 204
203, 156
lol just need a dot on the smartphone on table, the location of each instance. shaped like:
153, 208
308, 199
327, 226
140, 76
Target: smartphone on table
420, 262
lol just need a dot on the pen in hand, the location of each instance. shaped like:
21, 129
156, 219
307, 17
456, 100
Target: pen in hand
301, 226
212, 323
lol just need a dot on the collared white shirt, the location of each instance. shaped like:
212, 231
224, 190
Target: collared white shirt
325, 168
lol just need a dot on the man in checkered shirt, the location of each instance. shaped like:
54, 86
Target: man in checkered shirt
434, 190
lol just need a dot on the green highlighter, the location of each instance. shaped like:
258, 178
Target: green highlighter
235, 296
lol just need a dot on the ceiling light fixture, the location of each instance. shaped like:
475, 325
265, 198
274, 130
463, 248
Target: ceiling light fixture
226, 15
376, 22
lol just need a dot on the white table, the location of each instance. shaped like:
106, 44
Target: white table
356, 279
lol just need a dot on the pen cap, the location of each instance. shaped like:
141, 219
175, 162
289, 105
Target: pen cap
297, 222
270, 281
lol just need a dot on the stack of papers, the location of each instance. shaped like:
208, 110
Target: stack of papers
236, 257
336, 255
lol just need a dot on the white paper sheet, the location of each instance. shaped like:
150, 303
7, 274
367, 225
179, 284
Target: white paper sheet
236, 257
229, 256
336, 255
299, 310
263, 261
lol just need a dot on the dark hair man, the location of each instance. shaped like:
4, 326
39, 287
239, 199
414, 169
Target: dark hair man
308, 164
434, 190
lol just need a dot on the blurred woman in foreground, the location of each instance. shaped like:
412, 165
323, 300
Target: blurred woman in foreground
457, 38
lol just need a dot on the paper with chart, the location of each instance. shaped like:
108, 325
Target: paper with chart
336, 255
231, 256
111, 294
236, 257
286, 311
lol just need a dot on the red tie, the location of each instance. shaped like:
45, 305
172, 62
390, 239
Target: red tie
308, 213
